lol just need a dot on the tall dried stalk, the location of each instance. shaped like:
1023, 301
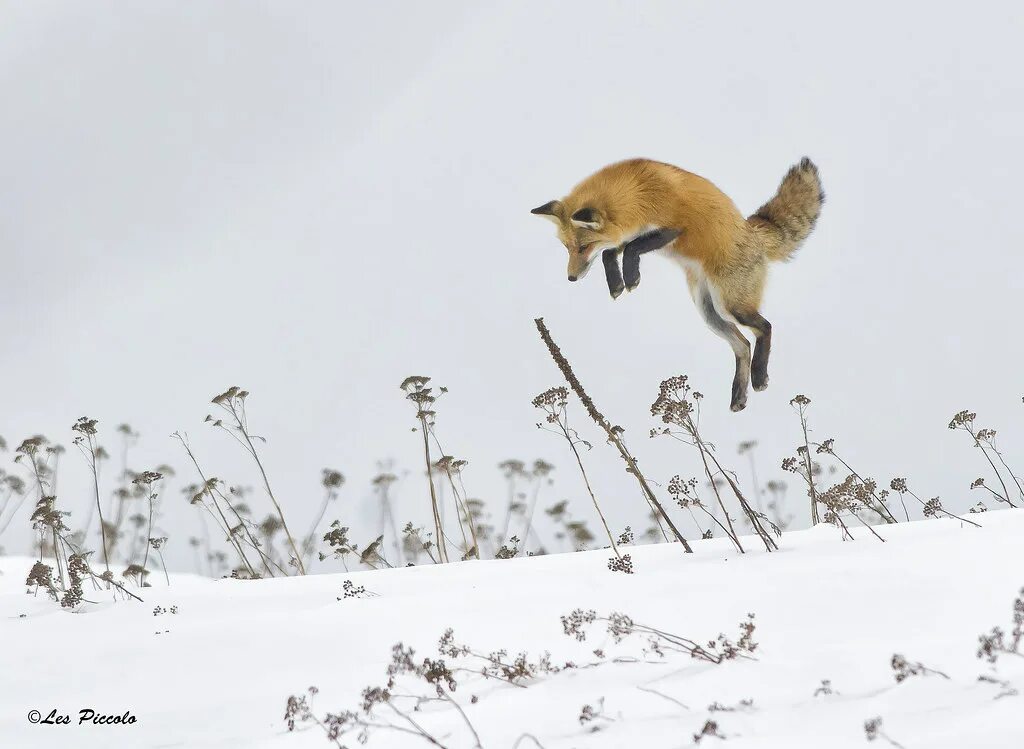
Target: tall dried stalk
147, 479
331, 481
232, 402
13, 486
442, 539
800, 403
541, 470
553, 402
158, 544
45, 518
611, 432
417, 391
513, 470
86, 443
382, 487
452, 467
747, 448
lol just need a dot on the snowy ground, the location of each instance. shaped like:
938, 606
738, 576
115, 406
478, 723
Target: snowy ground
218, 672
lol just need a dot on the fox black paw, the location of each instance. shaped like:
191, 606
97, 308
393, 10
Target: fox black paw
739, 398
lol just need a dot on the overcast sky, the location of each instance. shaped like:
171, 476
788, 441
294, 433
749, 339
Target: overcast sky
315, 200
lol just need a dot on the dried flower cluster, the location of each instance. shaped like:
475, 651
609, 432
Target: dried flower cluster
997, 642
985, 441
620, 626
904, 669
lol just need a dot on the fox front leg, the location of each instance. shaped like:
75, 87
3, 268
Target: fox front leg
633, 249
610, 258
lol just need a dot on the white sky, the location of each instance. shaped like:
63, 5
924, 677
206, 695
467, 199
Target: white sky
315, 200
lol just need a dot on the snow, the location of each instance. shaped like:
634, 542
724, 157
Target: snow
218, 672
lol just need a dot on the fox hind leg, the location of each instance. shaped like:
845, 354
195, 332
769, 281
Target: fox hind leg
736, 340
762, 348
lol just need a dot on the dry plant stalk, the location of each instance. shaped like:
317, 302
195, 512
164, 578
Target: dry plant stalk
513, 470
553, 402
541, 470
158, 544
873, 732
147, 479
210, 489
868, 485
232, 402
331, 481
984, 440
848, 496
800, 403
417, 391
747, 447
854, 495
678, 404
86, 443
931, 508
687, 497
452, 467
13, 486
46, 516
72, 561
998, 643
382, 488
619, 626
613, 434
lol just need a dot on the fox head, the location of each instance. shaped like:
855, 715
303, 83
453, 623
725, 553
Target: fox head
586, 232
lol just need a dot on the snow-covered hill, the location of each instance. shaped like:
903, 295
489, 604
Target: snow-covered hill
218, 667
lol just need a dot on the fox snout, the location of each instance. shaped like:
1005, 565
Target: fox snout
580, 260
577, 269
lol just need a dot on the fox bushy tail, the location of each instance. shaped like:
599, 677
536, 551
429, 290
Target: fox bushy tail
789, 217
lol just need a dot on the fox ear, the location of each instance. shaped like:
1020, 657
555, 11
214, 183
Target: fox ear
587, 218
552, 210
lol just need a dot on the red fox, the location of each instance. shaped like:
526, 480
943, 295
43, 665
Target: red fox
637, 206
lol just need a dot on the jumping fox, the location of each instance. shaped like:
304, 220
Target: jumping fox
637, 206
